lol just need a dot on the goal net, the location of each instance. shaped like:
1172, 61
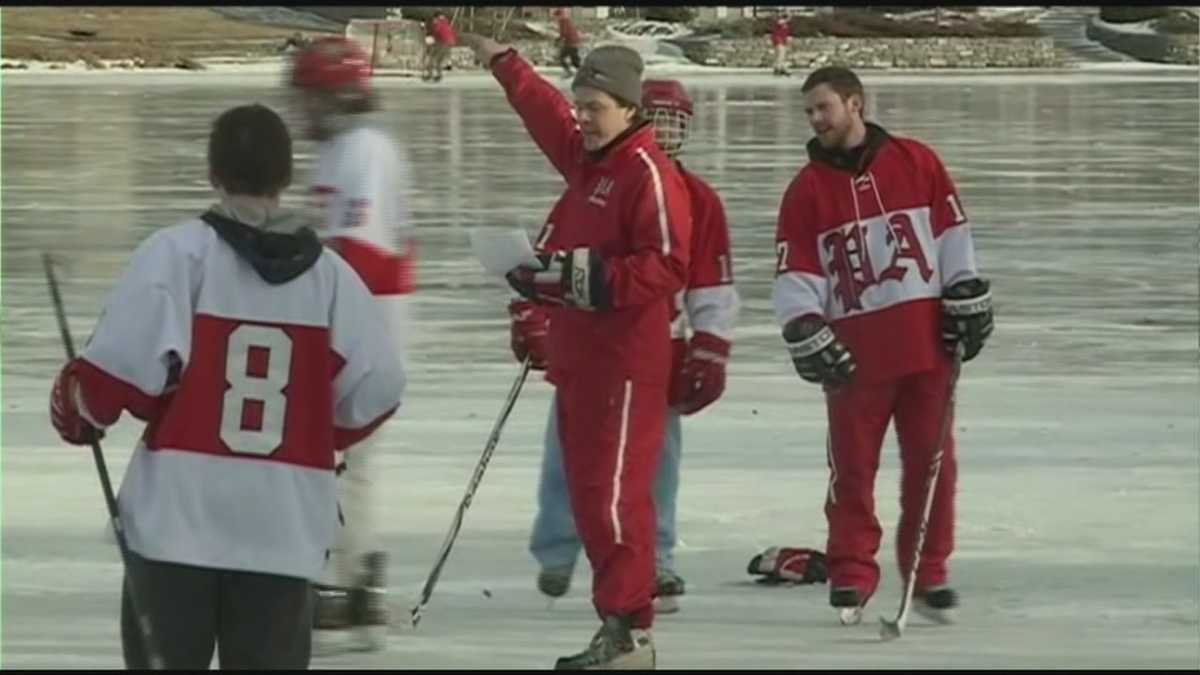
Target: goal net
392, 44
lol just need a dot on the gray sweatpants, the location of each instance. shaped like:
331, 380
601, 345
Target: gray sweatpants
259, 621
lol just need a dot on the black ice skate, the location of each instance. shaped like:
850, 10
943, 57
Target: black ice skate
938, 604
554, 581
668, 587
849, 603
352, 619
615, 647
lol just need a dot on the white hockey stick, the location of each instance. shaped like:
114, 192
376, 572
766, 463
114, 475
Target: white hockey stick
891, 630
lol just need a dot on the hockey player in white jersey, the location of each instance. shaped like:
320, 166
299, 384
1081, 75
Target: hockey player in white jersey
359, 188
252, 353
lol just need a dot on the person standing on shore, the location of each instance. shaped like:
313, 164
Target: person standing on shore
568, 42
779, 41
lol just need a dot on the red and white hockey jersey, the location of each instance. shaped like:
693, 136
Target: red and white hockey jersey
247, 388
361, 184
870, 248
709, 303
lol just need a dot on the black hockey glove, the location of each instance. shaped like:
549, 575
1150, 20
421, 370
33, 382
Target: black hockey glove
967, 316
577, 278
816, 352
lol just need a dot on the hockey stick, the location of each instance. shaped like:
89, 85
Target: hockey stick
456, 524
891, 630
143, 621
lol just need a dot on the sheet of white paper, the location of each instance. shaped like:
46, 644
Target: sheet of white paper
501, 250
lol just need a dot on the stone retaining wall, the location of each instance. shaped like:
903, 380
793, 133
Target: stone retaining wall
855, 53
893, 53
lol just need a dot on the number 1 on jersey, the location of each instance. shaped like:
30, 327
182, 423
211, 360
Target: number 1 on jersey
545, 237
959, 216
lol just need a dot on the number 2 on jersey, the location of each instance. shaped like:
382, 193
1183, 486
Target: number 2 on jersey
781, 250
258, 364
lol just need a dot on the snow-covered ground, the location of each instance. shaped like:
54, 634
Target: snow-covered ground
1078, 542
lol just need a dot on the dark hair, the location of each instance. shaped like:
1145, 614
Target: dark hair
622, 103
250, 151
839, 78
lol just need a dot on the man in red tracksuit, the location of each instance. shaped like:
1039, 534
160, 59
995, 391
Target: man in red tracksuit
708, 307
621, 246
876, 284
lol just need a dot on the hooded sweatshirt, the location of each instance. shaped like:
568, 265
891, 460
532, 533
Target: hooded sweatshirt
251, 353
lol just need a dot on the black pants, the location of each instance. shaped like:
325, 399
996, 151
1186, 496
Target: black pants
258, 621
568, 53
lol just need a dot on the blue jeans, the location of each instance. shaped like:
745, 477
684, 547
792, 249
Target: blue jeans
555, 543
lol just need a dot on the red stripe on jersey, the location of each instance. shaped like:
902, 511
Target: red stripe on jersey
710, 262
253, 390
383, 272
344, 437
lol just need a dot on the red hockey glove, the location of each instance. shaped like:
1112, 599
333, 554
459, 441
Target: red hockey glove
779, 565
701, 380
530, 325
64, 413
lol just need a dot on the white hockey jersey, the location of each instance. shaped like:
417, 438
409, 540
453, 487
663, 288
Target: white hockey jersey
360, 186
247, 388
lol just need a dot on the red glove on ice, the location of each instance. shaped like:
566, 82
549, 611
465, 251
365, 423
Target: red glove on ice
783, 565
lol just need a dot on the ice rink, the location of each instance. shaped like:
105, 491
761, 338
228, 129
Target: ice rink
1078, 540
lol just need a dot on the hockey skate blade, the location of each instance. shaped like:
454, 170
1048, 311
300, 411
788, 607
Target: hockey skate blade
850, 616
338, 642
889, 630
666, 605
943, 617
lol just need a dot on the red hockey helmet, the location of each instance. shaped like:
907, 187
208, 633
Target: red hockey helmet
668, 94
331, 63
669, 108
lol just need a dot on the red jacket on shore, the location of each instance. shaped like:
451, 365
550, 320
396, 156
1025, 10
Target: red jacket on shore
443, 32
567, 32
781, 32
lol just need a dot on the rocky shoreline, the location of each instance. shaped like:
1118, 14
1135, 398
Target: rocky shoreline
53, 39
863, 53
723, 55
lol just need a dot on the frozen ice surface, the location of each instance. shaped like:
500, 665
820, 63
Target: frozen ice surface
1078, 540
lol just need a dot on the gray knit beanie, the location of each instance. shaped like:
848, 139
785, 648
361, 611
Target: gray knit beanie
613, 69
